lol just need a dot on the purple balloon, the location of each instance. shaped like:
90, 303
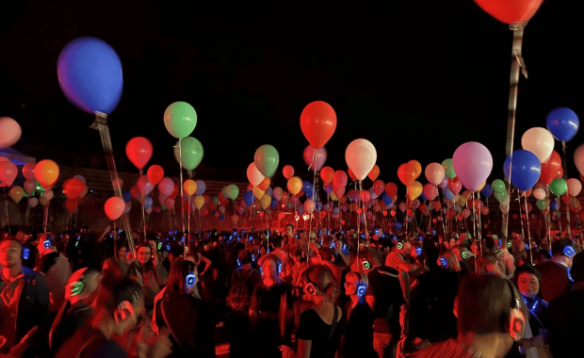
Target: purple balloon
328, 188
444, 183
472, 162
201, 187
317, 155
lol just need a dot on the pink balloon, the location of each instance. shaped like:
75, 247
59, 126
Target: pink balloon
365, 196
114, 207
277, 193
166, 186
465, 213
361, 157
472, 162
574, 187
485, 210
10, 132
144, 185
353, 195
539, 193
254, 176
29, 186
28, 171
340, 180
8, 172
430, 191
379, 187
402, 206
309, 206
317, 155
435, 173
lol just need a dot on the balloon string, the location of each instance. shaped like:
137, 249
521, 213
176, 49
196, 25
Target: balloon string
363, 208
568, 223
182, 199
520, 216
528, 232
46, 216
313, 200
474, 216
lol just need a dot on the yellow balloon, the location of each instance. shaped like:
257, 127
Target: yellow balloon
258, 193
265, 201
415, 189
43, 200
199, 201
461, 200
333, 196
190, 187
16, 193
294, 185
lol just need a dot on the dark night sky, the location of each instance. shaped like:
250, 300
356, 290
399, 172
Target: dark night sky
416, 78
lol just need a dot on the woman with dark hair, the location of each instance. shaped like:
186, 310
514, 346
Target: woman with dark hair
244, 273
238, 321
319, 333
118, 264
151, 277
186, 317
358, 334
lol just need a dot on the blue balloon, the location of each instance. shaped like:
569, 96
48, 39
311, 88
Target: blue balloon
398, 225
147, 202
423, 197
274, 203
448, 194
307, 186
248, 198
201, 187
386, 199
328, 187
554, 205
318, 206
127, 196
487, 191
90, 75
221, 217
269, 191
300, 210
336, 211
563, 123
525, 171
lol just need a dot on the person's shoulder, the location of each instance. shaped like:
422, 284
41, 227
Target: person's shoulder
446, 349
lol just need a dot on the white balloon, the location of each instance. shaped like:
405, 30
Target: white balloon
539, 193
361, 157
540, 142
10, 132
254, 176
574, 187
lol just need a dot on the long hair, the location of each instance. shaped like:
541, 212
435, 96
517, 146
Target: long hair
324, 280
177, 276
238, 297
452, 263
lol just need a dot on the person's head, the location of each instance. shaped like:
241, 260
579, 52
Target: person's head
270, 266
238, 297
46, 244
82, 285
144, 253
153, 244
297, 255
489, 304
263, 249
448, 261
416, 250
135, 235
10, 253
493, 264
527, 279
403, 247
320, 284
457, 250
289, 230
356, 284
122, 249
182, 277
369, 259
451, 242
277, 242
326, 254
244, 257
564, 250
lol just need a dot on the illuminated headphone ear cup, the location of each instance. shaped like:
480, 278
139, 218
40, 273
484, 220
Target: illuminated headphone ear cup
516, 324
400, 245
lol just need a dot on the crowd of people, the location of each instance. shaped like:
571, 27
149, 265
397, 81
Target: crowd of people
289, 293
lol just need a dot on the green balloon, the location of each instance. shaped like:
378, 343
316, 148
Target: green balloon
224, 192
180, 119
559, 186
266, 159
192, 152
501, 196
448, 169
498, 186
215, 200
541, 204
232, 191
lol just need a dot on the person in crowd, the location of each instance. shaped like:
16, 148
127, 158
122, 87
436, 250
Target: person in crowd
151, 277
326, 258
491, 316
271, 309
24, 303
493, 263
56, 269
534, 340
186, 317
244, 273
357, 339
554, 273
565, 329
238, 321
120, 262
318, 334
80, 292
289, 238
462, 254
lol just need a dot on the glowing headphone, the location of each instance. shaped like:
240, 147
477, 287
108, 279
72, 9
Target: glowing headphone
570, 274
464, 255
569, 251
25, 253
400, 245
367, 265
310, 288
168, 247
361, 286
419, 251
238, 263
191, 280
443, 262
47, 243
77, 286
159, 246
516, 317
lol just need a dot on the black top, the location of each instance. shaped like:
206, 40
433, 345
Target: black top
385, 287
566, 314
313, 328
358, 337
47, 261
268, 299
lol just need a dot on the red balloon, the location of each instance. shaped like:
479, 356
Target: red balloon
510, 11
351, 175
71, 205
566, 198
72, 188
318, 122
365, 196
288, 171
174, 192
155, 174
135, 192
550, 170
560, 174
139, 151
406, 174
327, 174
374, 173
455, 185
114, 207
391, 190
340, 179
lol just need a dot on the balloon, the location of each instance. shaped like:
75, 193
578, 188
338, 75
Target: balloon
169, 203
44, 201
135, 193
365, 196
144, 186
90, 75
327, 174
550, 169
318, 122
499, 186
114, 207
248, 198
126, 195
71, 205
199, 202
318, 156
540, 142
16, 193
406, 173
254, 176
435, 173
379, 187
274, 204
487, 190
46, 172
510, 12
455, 186
554, 205
8, 173
374, 173
192, 152
48, 194
430, 191
309, 206
266, 159
563, 123
541, 204
222, 209
351, 175
525, 170
139, 151
574, 187
485, 210
472, 163
340, 179
465, 213
501, 196
539, 193
265, 201
258, 193
28, 171
448, 194
398, 225
72, 188
180, 119
155, 174
414, 190
361, 157
448, 168
288, 171
201, 187
265, 184
294, 185
190, 187
10, 132
232, 191
147, 202
559, 187
234, 219
386, 199
33, 202
116, 183
277, 193
560, 173
391, 189
29, 186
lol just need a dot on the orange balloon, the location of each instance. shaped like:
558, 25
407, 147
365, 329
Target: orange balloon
190, 186
265, 184
258, 193
406, 174
415, 189
417, 167
374, 173
327, 174
46, 172
294, 185
155, 174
